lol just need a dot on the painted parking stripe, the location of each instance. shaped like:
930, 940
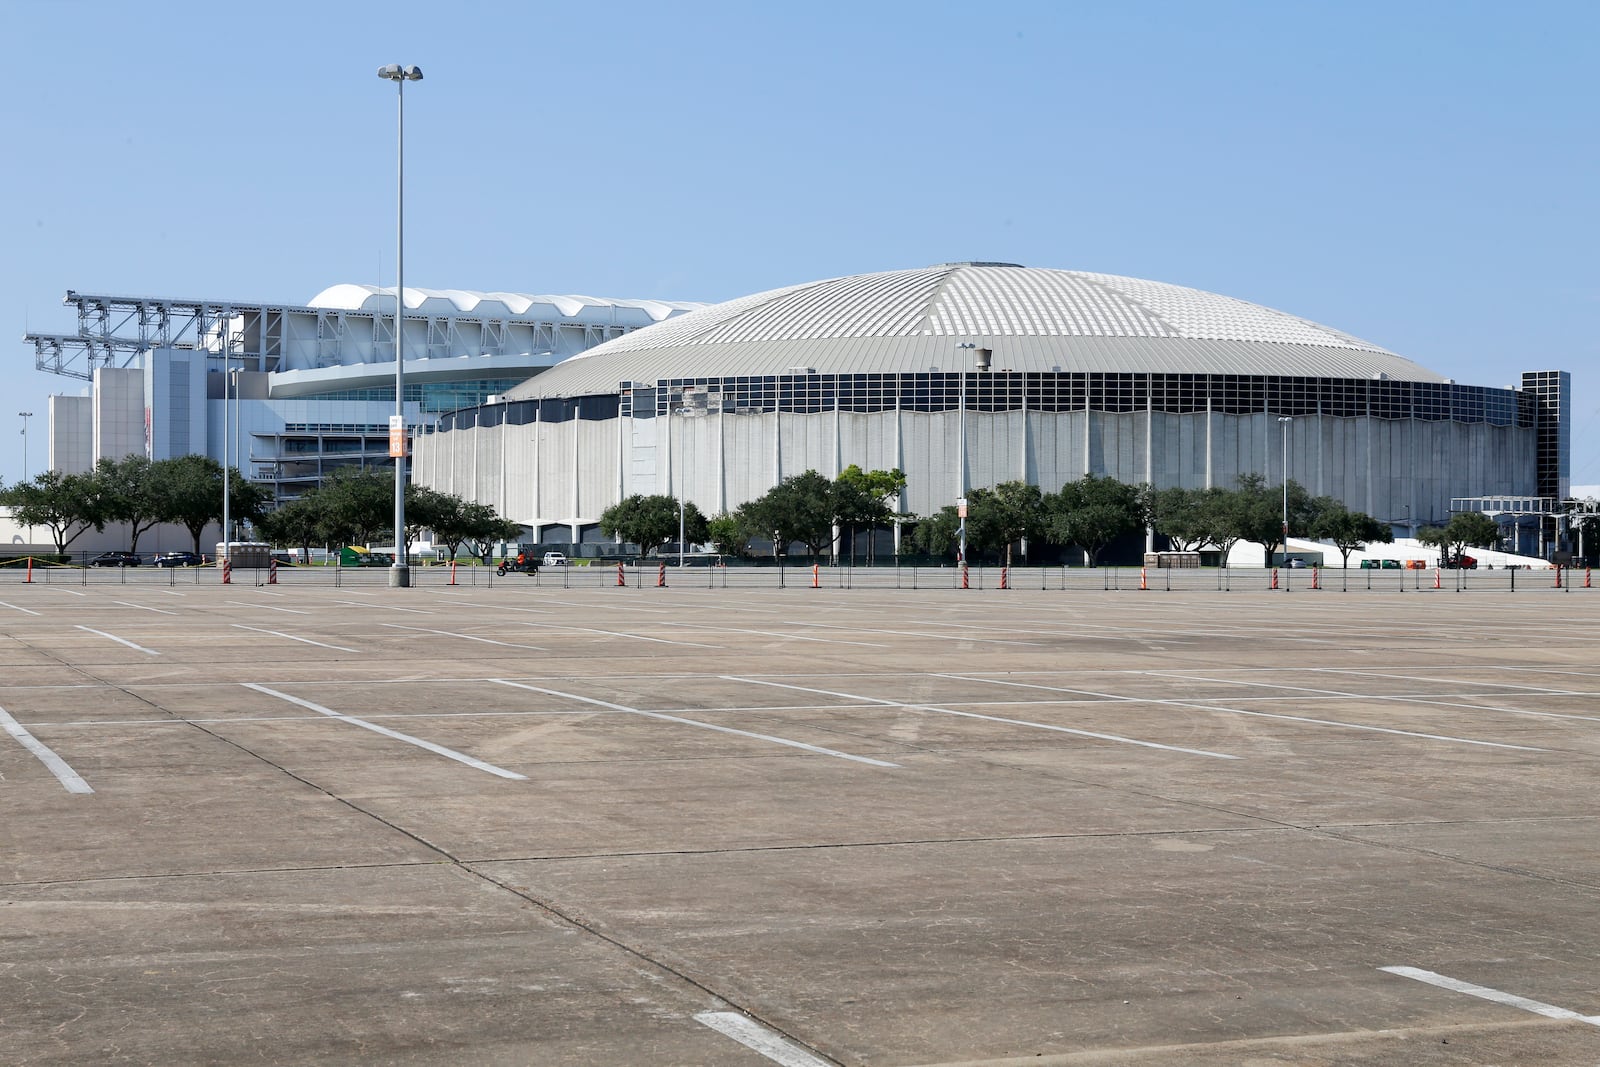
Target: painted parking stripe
1549, 1011
120, 640
695, 722
54, 763
933, 710
464, 637
143, 607
292, 637
1219, 709
448, 753
265, 607
752, 1035
17, 607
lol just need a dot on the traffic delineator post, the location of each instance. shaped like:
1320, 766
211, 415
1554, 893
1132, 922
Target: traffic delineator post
661, 577
1585, 577
1316, 577
816, 576
1437, 579
622, 579
227, 572
1144, 578
452, 572
964, 580
1005, 577
30, 569
272, 572
1274, 577
1558, 576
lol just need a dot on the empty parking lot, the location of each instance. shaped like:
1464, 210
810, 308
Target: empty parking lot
533, 824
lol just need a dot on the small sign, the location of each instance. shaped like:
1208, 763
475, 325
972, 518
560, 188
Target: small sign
397, 436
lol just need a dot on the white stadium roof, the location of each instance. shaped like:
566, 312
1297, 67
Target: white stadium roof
1034, 319
584, 309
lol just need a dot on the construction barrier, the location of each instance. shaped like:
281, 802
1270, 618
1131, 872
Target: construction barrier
1144, 578
1316, 577
622, 579
816, 576
965, 584
1585, 575
452, 572
661, 577
272, 572
1436, 579
1558, 577
227, 572
30, 569
1005, 575
1274, 577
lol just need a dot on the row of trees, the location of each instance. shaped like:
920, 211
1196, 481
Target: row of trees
351, 506
1090, 513
186, 490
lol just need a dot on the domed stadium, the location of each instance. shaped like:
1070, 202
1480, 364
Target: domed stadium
965, 375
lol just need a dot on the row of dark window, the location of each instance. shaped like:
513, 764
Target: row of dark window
1046, 392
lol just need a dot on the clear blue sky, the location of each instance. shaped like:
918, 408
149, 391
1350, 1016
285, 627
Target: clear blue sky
1421, 174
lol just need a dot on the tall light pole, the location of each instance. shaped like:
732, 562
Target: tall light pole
961, 459
1284, 421
400, 573
26, 415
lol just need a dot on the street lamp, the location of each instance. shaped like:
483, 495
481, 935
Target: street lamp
961, 459
26, 415
1284, 421
400, 573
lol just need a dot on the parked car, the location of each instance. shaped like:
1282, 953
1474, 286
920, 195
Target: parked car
115, 559
1463, 562
178, 559
1294, 561
555, 559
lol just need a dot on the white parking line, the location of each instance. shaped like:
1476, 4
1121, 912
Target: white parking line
616, 633
1549, 1011
464, 637
292, 637
265, 607
120, 640
54, 763
448, 753
390, 607
752, 1035
15, 607
1275, 715
695, 722
934, 710
143, 607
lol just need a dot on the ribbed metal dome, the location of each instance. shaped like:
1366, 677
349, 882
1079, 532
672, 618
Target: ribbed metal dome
1034, 319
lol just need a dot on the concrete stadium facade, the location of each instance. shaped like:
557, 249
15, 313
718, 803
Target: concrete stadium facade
970, 374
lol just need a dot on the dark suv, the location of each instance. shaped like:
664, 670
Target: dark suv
115, 559
177, 559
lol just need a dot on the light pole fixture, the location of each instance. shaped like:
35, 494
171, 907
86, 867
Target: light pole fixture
26, 415
400, 572
961, 459
1283, 422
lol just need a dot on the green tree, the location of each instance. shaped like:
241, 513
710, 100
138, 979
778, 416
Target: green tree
731, 532
294, 524
1000, 517
1465, 528
357, 506
651, 521
1180, 515
862, 498
1348, 530
938, 534
190, 492
68, 505
800, 508
1094, 511
129, 493
1257, 511
455, 520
